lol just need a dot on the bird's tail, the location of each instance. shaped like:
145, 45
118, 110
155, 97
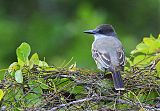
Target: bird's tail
117, 79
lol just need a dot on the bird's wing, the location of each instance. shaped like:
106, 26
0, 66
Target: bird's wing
121, 56
102, 58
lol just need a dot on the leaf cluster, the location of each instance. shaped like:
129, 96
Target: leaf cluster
31, 84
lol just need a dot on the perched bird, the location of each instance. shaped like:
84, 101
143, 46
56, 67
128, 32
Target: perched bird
108, 53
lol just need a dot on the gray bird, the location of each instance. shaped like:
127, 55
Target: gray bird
108, 53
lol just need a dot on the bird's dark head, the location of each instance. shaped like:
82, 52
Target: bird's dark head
104, 29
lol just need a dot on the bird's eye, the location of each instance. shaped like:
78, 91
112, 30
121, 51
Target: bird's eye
100, 31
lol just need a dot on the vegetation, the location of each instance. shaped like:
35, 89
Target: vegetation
32, 84
54, 28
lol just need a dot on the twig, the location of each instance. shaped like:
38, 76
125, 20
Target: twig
70, 103
108, 98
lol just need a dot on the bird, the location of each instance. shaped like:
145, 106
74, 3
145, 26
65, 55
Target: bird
108, 52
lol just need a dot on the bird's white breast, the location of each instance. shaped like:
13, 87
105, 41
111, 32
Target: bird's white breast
100, 36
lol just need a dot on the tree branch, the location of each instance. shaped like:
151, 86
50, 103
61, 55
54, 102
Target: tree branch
108, 98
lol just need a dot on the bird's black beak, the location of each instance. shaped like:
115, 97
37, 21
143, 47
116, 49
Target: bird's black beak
90, 31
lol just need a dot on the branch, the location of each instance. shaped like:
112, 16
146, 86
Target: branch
70, 103
108, 98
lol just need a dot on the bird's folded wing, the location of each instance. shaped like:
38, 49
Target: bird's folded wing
102, 58
121, 56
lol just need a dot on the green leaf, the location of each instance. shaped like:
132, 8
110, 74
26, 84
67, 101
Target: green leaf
141, 97
152, 43
143, 48
143, 60
159, 36
158, 69
149, 45
149, 41
13, 68
18, 93
43, 84
23, 52
150, 97
77, 90
32, 99
37, 89
129, 61
35, 86
43, 64
1, 94
138, 59
34, 60
62, 83
19, 76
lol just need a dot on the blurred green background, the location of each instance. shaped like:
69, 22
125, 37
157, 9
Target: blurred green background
54, 28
